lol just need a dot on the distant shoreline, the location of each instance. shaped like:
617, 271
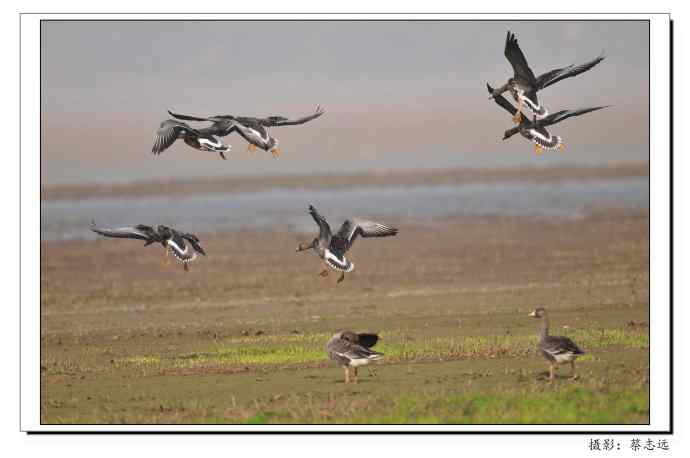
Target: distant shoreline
374, 179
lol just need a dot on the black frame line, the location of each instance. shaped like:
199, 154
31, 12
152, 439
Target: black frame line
373, 431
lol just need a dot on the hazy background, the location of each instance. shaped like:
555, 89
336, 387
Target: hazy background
398, 95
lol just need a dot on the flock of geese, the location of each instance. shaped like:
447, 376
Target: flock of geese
523, 86
253, 130
349, 349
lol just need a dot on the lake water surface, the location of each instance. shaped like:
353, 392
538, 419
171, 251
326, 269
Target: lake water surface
208, 213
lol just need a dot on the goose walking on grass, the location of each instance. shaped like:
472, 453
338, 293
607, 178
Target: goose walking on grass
205, 139
535, 130
253, 130
352, 350
523, 86
556, 349
332, 247
172, 240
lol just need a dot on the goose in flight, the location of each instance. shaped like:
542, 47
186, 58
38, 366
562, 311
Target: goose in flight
350, 349
332, 247
205, 139
523, 86
253, 130
535, 130
172, 240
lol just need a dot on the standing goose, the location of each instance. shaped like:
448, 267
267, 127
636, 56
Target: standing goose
332, 248
172, 240
254, 130
535, 130
556, 349
524, 85
202, 139
350, 349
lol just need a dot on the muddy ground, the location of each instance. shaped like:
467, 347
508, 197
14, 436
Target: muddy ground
239, 338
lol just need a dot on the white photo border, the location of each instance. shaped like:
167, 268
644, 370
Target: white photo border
661, 394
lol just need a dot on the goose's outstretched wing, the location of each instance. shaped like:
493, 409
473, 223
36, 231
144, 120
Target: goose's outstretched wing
169, 131
140, 232
558, 74
324, 228
277, 121
565, 114
351, 228
517, 60
222, 125
185, 117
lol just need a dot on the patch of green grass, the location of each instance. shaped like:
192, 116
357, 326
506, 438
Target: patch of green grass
254, 355
568, 405
260, 418
396, 346
144, 360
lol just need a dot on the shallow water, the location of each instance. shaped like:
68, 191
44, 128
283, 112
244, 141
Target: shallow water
208, 213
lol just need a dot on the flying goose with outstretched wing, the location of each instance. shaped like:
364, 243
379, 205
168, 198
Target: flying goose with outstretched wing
183, 245
524, 85
253, 130
535, 130
331, 248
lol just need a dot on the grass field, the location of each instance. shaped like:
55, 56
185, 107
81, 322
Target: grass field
240, 340
286, 379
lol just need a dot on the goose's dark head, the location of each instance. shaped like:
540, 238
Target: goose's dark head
512, 131
500, 90
196, 243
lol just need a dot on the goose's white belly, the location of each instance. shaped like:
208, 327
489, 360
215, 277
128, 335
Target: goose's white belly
335, 263
255, 136
565, 358
360, 362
